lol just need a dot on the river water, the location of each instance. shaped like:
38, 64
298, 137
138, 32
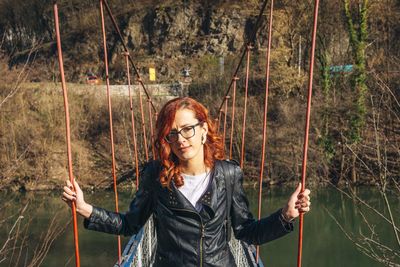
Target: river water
324, 243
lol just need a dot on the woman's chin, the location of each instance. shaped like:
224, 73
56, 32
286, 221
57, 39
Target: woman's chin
185, 156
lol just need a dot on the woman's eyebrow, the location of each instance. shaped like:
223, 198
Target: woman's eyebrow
183, 126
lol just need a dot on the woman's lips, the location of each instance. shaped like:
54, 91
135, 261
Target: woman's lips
184, 149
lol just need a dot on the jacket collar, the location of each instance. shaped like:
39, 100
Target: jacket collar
209, 198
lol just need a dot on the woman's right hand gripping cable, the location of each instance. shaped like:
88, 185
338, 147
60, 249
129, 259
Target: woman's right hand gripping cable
75, 194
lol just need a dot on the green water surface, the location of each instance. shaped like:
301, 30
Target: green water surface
324, 243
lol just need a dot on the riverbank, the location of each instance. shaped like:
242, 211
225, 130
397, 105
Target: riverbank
129, 184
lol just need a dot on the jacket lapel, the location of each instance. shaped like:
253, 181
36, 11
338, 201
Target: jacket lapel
176, 200
212, 197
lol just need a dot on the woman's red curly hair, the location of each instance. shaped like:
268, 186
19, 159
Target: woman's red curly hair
213, 147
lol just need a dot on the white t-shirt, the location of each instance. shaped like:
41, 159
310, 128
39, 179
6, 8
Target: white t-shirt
194, 187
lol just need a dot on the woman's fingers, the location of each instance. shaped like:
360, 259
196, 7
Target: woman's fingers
304, 194
69, 184
304, 210
71, 197
303, 202
77, 188
304, 197
68, 190
72, 194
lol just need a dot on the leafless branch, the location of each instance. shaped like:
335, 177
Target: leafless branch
54, 230
10, 236
368, 245
383, 173
396, 184
23, 241
15, 164
23, 74
370, 227
383, 85
3, 38
363, 202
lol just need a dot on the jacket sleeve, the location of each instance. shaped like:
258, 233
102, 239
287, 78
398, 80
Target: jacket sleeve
245, 227
140, 209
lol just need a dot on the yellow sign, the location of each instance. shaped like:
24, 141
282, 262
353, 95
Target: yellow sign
152, 73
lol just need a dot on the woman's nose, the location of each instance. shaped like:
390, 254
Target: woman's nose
181, 139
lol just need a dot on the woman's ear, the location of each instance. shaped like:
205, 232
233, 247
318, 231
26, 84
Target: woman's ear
205, 129
204, 133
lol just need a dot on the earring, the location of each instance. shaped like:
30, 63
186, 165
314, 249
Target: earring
203, 139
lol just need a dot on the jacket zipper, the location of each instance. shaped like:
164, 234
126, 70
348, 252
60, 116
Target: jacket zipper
201, 233
201, 244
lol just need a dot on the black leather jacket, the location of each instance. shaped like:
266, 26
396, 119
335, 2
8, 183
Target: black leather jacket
187, 237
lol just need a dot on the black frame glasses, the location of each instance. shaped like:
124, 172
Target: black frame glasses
186, 132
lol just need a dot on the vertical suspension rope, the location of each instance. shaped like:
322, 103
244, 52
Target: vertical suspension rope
114, 23
268, 56
219, 120
306, 130
155, 123
225, 115
126, 54
151, 129
143, 123
244, 48
233, 116
245, 105
111, 121
68, 132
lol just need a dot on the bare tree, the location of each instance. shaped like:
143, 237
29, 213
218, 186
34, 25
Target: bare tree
380, 160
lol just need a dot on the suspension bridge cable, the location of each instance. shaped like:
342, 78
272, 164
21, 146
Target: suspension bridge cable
108, 9
268, 57
233, 116
110, 120
143, 124
307, 127
245, 105
132, 120
244, 48
219, 120
151, 128
225, 116
68, 132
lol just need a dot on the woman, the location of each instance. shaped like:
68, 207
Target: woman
191, 191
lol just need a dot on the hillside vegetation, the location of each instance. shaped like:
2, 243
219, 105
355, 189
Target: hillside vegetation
355, 114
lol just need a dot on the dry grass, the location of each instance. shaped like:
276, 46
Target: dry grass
32, 136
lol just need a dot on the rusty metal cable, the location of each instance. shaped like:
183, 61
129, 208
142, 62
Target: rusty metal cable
244, 49
219, 120
110, 120
108, 9
245, 106
132, 120
268, 57
68, 132
151, 129
307, 128
225, 116
143, 124
233, 116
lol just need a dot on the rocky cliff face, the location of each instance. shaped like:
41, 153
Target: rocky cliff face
168, 34
172, 37
180, 31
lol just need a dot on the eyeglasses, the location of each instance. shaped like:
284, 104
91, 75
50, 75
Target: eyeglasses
186, 132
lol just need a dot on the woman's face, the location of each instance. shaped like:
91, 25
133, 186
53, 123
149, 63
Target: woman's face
187, 132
